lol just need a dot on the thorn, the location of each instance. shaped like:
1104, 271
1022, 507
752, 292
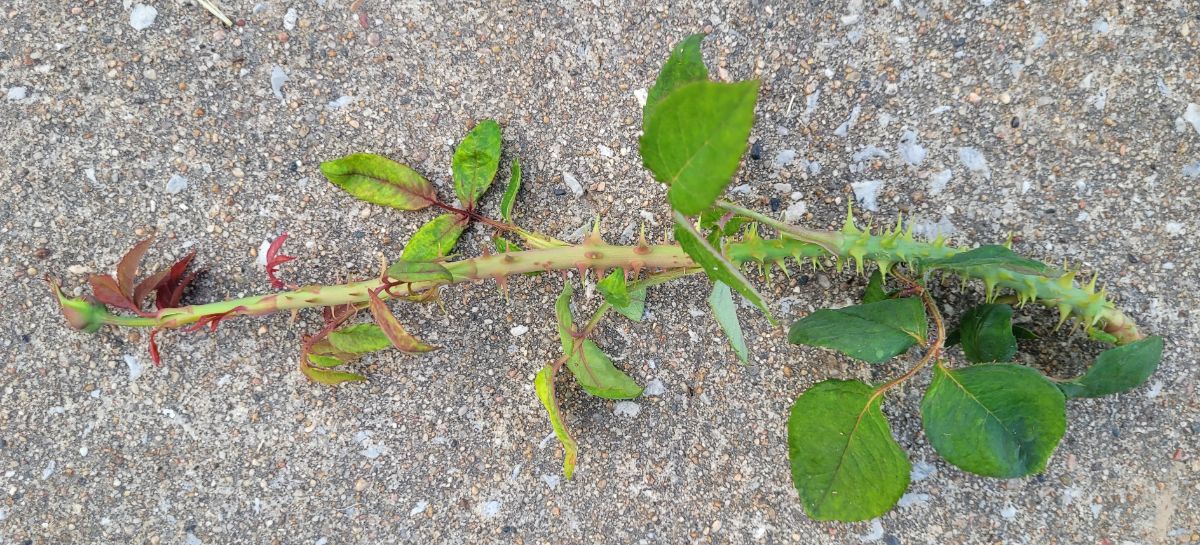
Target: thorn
1008, 242
1091, 285
1064, 311
783, 267
487, 252
582, 267
885, 266
594, 238
636, 267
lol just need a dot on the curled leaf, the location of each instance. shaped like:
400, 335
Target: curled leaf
510, 192
543, 384
330, 377
391, 327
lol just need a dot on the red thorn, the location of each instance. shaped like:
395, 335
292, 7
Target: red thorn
154, 356
275, 259
582, 270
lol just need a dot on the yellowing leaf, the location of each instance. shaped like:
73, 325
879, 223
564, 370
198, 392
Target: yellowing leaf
379, 180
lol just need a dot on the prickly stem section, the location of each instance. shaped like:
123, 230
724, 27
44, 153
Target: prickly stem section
597, 256
1059, 291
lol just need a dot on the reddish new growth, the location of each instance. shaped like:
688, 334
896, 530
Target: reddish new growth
275, 259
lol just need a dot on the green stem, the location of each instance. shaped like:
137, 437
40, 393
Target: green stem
829, 240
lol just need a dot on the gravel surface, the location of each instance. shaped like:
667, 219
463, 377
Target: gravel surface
1072, 125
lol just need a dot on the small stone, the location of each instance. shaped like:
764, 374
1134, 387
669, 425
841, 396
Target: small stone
176, 184
142, 16
360, 485
519, 330
289, 19
1005, 98
573, 184
17, 93
627, 409
373, 39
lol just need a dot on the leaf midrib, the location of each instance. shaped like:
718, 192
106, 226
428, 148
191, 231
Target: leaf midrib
705, 145
986, 409
849, 439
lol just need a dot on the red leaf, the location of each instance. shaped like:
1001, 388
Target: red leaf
169, 291
127, 268
149, 284
106, 291
154, 348
275, 259
212, 321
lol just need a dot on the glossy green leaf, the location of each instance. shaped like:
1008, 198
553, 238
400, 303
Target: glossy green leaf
418, 271
874, 332
331, 377
999, 420
614, 289
725, 311
986, 333
685, 65
715, 265
543, 384
694, 139
379, 180
435, 239
875, 292
476, 161
1117, 369
595, 372
325, 361
359, 339
510, 192
399, 337
994, 256
636, 309
845, 463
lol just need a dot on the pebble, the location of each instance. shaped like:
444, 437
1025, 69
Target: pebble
289, 19
519, 330
627, 409
360, 485
373, 39
142, 16
1005, 98
17, 93
572, 184
176, 184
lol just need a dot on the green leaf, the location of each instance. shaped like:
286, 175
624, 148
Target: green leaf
435, 239
715, 265
562, 311
999, 420
725, 311
325, 361
598, 376
685, 65
543, 384
359, 339
994, 256
1117, 369
614, 289
874, 332
1023, 332
986, 333
636, 309
380, 180
875, 291
845, 463
694, 139
330, 376
418, 271
476, 161
395, 332
510, 192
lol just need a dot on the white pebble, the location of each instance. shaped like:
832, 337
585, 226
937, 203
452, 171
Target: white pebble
605, 151
341, 102
843, 130
913, 498
176, 184
418, 508
135, 367
875, 534
142, 16
262, 253
974, 161
490, 509
910, 151
519, 330
922, 470
795, 212
641, 95
1009, 512
17, 93
866, 193
938, 182
930, 230
810, 103
572, 184
869, 152
784, 158
1192, 115
1192, 170
654, 388
551, 480
627, 409
278, 78
289, 19
46, 473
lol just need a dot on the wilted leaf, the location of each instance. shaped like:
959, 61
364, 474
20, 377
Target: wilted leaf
395, 332
694, 139
725, 311
715, 265
1000, 420
845, 463
685, 65
1117, 370
986, 333
331, 377
379, 180
476, 161
510, 192
543, 384
874, 332
435, 239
